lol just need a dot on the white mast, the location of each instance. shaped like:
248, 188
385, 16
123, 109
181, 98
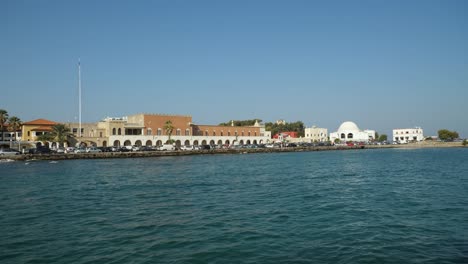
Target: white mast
79, 97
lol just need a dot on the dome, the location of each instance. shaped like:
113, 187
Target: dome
348, 126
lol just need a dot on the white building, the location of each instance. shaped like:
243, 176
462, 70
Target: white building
349, 131
405, 135
316, 134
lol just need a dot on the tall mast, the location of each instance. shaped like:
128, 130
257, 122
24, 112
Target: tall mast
79, 98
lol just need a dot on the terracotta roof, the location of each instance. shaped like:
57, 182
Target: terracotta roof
41, 122
42, 128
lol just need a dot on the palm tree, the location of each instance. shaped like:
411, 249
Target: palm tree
3, 119
14, 124
44, 138
60, 133
168, 127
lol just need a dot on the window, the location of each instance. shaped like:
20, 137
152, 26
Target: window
75, 130
206, 133
119, 131
178, 132
187, 132
229, 133
100, 134
214, 133
159, 131
235, 133
113, 131
343, 135
255, 133
149, 132
222, 133
350, 135
248, 134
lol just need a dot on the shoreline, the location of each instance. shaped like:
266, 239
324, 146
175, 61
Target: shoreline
141, 154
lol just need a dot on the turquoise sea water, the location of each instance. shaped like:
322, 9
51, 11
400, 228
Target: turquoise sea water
360, 206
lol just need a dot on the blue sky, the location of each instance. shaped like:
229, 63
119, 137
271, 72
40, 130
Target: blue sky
381, 64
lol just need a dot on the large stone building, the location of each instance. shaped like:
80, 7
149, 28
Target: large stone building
405, 135
316, 134
151, 129
349, 131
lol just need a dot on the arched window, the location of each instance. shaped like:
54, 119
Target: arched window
222, 134
343, 136
159, 131
214, 133
149, 132
178, 132
113, 131
350, 135
248, 133
206, 133
242, 133
187, 132
229, 133
120, 131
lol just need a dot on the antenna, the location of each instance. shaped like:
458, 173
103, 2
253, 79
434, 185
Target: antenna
79, 97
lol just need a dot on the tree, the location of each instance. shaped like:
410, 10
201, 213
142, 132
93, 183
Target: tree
377, 136
297, 126
14, 124
44, 138
250, 122
382, 138
447, 135
464, 143
3, 119
168, 127
60, 133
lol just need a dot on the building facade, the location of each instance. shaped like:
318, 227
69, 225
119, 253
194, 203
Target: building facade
35, 128
349, 131
405, 135
316, 134
152, 130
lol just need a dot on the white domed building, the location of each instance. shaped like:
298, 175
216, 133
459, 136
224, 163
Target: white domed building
349, 131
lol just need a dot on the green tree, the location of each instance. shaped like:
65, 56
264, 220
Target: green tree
464, 143
14, 124
297, 126
377, 136
250, 122
382, 138
60, 133
447, 135
45, 138
3, 119
168, 127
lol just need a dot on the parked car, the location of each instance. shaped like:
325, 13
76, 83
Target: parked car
80, 150
136, 148
8, 152
186, 147
167, 147
70, 150
40, 150
93, 150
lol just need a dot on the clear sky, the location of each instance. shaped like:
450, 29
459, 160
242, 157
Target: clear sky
381, 64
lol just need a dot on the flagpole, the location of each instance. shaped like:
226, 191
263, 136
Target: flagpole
79, 97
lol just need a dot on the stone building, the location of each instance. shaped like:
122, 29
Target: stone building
316, 134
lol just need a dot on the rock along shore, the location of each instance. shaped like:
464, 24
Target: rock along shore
144, 154
140, 154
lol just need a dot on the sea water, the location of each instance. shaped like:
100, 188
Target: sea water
357, 206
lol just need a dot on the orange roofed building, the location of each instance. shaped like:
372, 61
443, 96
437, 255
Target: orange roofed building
32, 129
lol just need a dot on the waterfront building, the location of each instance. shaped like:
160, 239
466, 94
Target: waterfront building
35, 128
349, 131
405, 135
316, 134
92, 134
285, 136
152, 129
7, 135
